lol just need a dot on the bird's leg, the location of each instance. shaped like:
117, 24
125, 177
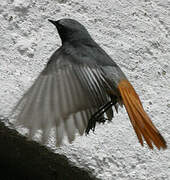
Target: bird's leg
101, 109
98, 114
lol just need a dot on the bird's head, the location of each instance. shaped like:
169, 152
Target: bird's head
70, 30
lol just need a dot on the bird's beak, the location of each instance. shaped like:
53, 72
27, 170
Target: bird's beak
53, 22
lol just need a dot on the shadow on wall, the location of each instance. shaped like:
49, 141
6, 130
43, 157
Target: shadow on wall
28, 160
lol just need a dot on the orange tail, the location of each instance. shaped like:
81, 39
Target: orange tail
142, 124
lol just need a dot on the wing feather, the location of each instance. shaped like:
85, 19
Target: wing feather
64, 97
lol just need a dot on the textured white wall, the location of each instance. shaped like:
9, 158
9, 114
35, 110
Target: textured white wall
136, 34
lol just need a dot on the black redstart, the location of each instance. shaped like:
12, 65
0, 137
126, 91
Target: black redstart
78, 85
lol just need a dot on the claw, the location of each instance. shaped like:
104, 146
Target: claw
116, 107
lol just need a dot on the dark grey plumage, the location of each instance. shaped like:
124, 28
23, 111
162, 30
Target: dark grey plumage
71, 88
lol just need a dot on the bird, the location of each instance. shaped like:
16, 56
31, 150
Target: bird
79, 87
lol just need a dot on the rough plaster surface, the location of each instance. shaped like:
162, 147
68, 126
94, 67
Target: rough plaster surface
136, 34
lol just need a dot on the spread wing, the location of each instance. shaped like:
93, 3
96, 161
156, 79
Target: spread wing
64, 97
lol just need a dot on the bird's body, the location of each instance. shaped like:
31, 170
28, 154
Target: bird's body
78, 80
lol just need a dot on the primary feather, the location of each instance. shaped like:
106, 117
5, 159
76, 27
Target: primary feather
64, 98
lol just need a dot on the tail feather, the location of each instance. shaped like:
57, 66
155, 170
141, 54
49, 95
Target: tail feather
132, 118
141, 122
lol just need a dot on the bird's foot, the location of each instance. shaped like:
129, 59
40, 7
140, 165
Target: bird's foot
98, 117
